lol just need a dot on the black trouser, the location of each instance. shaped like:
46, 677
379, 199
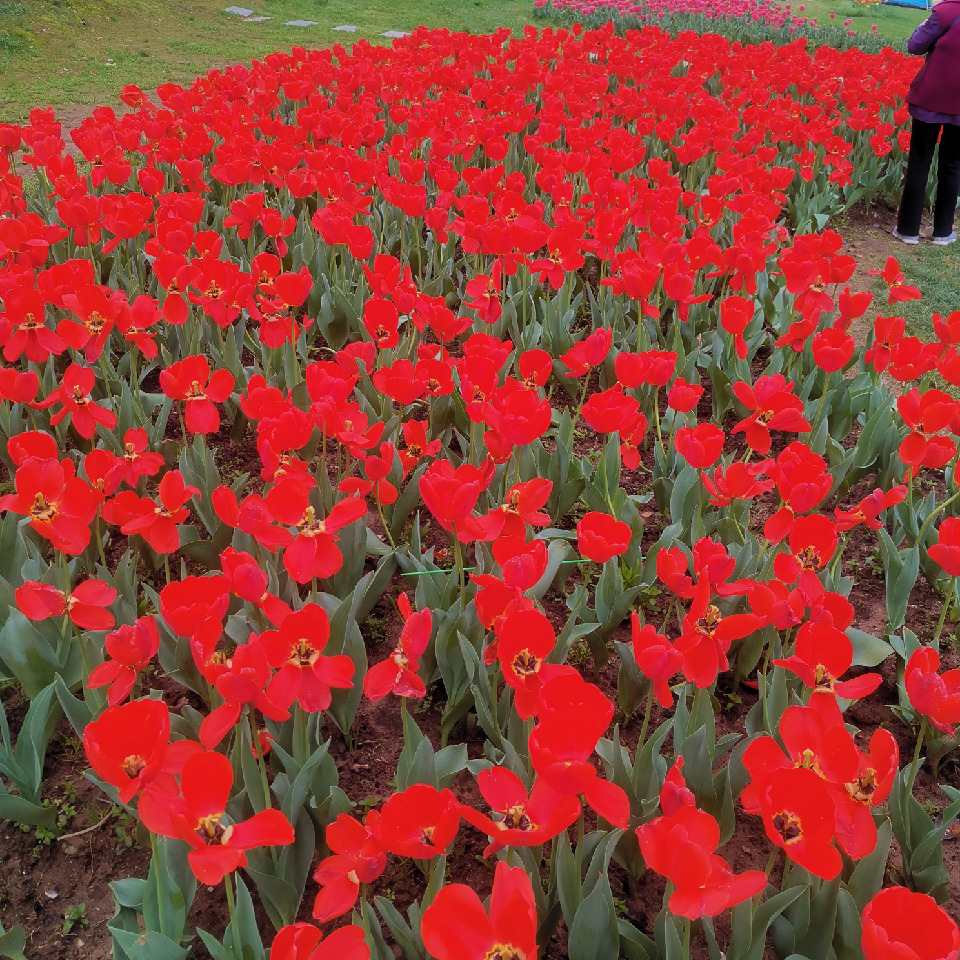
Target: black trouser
923, 141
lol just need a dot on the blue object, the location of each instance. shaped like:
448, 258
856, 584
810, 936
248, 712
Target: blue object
917, 4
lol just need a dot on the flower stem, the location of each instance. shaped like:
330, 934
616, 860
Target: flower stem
458, 560
578, 856
261, 760
232, 910
155, 858
915, 765
947, 604
386, 528
933, 513
583, 396
646, 718
823, 397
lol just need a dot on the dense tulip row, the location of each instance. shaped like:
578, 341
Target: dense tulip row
511, 337
771, 14
745, 21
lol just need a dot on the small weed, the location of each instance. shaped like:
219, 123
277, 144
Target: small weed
66, 807
649, 597
579, 653
124, 829
76, 916
731, 701
425, 704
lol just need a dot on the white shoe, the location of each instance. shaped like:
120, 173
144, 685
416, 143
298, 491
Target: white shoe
944, 241
911, 241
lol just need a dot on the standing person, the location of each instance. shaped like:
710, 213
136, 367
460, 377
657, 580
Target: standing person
934, 100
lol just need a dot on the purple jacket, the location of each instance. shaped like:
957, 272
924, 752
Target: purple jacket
934, 95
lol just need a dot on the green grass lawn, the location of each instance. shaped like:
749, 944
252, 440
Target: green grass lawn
894, 23
60, 52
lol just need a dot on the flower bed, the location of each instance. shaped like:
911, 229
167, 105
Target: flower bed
747, 21
505, 398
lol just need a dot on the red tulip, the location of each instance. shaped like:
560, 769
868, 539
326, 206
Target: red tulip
190, 380
456, 926
656, 658
899, 924
313, 551
600, 537
130, 648
700, 446
127, 745
450, 493
936, 696
195, 813
946, 551
74, 395
304, 672
357, 858
303, 941
798, 815
86, 606
398, 673
524, 821
420, 822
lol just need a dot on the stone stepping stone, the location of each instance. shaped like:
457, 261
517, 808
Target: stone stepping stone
257, 19
238, 11
346, 28
394, 34
300, 23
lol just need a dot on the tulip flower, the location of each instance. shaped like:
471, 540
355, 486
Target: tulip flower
656, 659
195, 813
190, 380
822, 654
420, 822
901, 924
524, 821
525, 638
313, 551
707, 636
456, 926
700, 446
86, 605
129, 745
450, 493
798, 815
935, 696
245, 679
60, 506
303, 941
304, 672
130, 648
357, 858
74, 396
156, 524
398, 673
946, 551
680, 846
601, 537
572, 716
